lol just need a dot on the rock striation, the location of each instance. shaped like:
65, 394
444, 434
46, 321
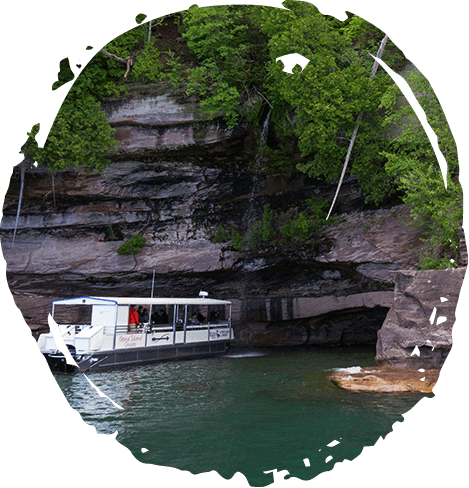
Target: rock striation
417, 330
151, 117
175, 179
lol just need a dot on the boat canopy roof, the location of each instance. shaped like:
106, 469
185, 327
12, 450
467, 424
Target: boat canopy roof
139, 301
167, 301
85, 301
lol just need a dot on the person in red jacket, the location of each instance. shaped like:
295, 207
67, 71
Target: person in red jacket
133, 319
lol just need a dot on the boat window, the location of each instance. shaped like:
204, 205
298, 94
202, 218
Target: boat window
72, 314
216, 314
161, 314
197, 314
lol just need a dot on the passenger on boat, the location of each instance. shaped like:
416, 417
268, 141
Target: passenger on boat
144, 315
193, 319
164, 317
133, 319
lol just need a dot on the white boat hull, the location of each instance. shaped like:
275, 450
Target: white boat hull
139, 355
109, 340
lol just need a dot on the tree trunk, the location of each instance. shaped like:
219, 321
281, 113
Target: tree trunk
22, 171
355, 130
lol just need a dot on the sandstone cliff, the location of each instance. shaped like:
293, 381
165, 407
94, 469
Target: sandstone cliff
417, 330
175, 178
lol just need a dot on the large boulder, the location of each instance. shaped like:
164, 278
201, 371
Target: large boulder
417, 330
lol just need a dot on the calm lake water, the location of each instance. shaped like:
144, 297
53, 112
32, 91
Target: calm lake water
250, 411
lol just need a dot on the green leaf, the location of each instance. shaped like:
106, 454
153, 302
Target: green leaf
132, 246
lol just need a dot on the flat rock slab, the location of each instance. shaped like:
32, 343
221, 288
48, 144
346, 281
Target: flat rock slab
387, 380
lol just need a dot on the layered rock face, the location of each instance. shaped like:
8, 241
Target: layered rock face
422, 315
175, 178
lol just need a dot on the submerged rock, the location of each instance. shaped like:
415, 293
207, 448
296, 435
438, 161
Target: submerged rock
386, 380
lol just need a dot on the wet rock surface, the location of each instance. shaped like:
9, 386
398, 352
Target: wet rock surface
387, 380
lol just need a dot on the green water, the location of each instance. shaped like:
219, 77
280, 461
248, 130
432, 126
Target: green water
244, 412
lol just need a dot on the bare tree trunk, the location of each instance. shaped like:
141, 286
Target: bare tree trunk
22, 172
357, 124
53, 188
113, 56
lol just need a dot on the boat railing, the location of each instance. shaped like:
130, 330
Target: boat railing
179, 326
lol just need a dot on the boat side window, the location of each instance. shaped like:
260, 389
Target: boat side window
216, 314
197, 314
78, 315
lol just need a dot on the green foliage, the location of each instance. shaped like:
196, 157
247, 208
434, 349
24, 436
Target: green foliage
324, 100
220, 235
80, 136
310, 221
226, 43
312, 113
30, 149
271, 231
148, 68
413, 164
140, 18
238, 240
281, 158
132, 246
267, 225
65, 74
366, 38
128, 43
261, 232
430, 260
172, 72
102, 77
253, 236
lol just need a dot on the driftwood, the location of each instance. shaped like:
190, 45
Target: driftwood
357, 124
127, 61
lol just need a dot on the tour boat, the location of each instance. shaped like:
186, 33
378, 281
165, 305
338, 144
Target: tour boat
95, 332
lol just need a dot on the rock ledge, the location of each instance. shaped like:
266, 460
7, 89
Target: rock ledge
387, 380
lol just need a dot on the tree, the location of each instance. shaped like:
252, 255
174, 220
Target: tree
322, 102
355, 130
411, 161
29, 149
80, 136
230, 53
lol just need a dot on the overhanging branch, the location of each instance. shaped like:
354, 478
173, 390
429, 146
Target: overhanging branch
127, 61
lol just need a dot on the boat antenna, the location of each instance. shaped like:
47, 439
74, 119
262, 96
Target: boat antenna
152, 288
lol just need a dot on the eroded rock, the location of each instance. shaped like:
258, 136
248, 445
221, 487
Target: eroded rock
175, 178
422, 316
387, 380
